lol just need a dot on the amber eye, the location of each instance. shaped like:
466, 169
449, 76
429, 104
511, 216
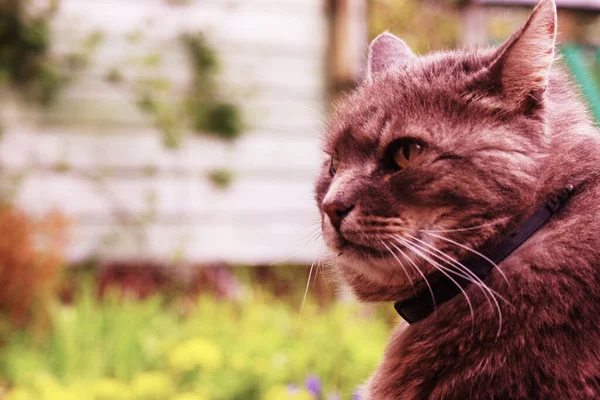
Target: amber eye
333, 166
406, 153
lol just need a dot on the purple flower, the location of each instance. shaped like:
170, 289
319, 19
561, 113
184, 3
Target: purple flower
355, 396
313, 385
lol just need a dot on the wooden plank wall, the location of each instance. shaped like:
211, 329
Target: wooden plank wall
97, 158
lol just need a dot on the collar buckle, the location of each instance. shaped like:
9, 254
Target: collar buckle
559, 199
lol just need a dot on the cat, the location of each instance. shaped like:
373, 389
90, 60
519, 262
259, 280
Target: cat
434, 160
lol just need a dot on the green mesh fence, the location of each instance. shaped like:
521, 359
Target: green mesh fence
585, 71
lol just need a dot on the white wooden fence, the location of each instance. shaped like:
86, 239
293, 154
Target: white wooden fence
273, 54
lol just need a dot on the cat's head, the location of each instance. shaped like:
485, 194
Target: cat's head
434, 151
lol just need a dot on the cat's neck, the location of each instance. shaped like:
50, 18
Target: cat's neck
573, 139
551, 294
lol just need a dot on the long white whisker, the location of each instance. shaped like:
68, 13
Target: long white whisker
458, 273
442, 269
400, 263
321, 267
307, 286
314, 238
488, 293
283, 259
462, 246
316, 272
418, 270
471, 228
318, 222
398, 223
471, 276
310, 236
458, 264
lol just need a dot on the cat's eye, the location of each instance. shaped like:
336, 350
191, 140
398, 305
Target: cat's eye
406, 152
333, 166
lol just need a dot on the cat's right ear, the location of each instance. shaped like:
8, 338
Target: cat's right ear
387, 50
524, 61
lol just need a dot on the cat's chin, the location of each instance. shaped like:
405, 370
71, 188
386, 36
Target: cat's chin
378, 269
372, 279
370, 269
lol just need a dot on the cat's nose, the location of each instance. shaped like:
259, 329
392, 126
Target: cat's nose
336, 211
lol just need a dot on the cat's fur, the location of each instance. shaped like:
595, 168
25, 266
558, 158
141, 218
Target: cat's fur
502, 129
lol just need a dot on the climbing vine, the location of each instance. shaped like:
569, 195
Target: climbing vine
202, 108
26, 62
209, 112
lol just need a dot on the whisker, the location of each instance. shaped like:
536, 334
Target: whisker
282, 260
316, 272
489, 294
396, 221
322, 268
307, 286
472, 228
442, 269
318, 222
312, 233
400, 263
418, 270
462, 246
458, 264
314, 238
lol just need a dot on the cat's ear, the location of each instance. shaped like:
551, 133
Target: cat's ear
387, 50
524, 61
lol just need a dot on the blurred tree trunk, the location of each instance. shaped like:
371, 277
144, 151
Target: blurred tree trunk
346, 53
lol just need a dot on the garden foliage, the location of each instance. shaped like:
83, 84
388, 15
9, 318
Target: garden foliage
253, 348
31, 256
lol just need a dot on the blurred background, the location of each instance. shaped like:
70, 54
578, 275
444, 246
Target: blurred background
158, 233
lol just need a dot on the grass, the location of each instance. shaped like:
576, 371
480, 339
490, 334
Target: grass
255, 347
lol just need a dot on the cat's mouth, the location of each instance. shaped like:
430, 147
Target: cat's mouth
363, 246
363, 243
347, 246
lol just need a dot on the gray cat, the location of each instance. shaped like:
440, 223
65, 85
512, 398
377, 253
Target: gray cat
463, 186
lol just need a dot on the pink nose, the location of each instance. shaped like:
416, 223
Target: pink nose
336, 211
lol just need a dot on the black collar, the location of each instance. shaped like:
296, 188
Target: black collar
422, 305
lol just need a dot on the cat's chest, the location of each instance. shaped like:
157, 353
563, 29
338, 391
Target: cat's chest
526, 364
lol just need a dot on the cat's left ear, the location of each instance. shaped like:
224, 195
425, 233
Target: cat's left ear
524, 61
385, 51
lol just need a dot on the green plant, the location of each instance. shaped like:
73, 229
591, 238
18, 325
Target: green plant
209, 113
26, 62
114, 75
224, 119
203, 109
221, 178
251, 348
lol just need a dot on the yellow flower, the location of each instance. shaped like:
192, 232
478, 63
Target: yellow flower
109, 389
261, 366
302, 394
284, 393
239, 362
59, 393
196, 353
152, 385
19, 394
48, 389
190, 396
